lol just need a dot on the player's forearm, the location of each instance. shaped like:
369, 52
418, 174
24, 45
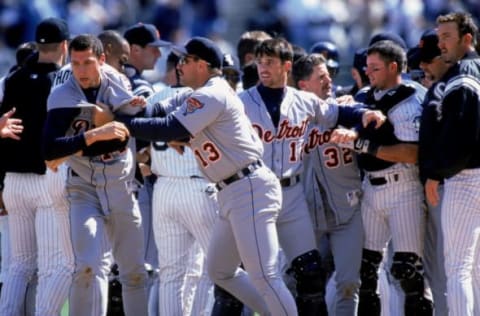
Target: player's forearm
155, 129
406, 153
350, 116
55, 144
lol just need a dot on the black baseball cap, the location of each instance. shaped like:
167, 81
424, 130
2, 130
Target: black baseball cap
388, 36
52, 30
428, 46
143, 35
204, 49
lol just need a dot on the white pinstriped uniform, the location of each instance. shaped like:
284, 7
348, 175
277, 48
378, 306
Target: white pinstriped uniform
396, 209
461, 230
5, 248
39, 239
184, 211
37, 226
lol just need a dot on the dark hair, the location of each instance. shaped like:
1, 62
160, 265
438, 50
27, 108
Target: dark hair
303, 67
250, 76
85, 42
464, 21
248, 42
275, 47
389, 52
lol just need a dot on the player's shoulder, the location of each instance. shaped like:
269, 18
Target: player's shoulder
64, 94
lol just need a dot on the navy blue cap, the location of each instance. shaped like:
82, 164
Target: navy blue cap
231, 62
388, 36
204, 49
428, 46
52, 30
360, 60
413, 58
143, 35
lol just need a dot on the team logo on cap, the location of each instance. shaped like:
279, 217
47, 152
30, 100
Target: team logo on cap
193, 105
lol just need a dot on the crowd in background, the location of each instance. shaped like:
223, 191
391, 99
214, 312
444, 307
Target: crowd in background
347, 23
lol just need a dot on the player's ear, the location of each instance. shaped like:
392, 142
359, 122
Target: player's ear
302, 84
288, 65
101, 59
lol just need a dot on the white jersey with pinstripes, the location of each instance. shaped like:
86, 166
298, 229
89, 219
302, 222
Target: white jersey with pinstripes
184, 213
166, 161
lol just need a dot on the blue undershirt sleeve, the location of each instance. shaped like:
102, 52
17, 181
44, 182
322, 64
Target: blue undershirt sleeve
155, 129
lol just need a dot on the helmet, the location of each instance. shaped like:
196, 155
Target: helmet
330, 52
327, 49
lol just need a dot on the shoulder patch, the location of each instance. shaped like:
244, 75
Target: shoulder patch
193, 104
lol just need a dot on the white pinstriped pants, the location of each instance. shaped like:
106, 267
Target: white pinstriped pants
461, 231
39, 239
183, 214
394, 211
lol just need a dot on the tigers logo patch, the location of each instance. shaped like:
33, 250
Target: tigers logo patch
193, 105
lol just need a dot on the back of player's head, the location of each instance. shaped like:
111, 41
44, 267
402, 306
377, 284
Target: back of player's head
304, 66
250, 75
248, 42
275, 47
111, 37
85, 42
464, 21
389, 52
25, 51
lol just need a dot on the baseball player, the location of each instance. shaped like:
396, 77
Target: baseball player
456, 160
104, 214
333, 190
434, 68
281, 116
145, 43
228, 153
38, 225
184, 212
393, 202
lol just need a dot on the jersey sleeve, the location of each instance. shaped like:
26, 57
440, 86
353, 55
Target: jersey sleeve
326, 114
55, 142
198, 111
459, 135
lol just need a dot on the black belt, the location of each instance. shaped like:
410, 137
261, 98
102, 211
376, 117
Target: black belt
286, 182
239, 175
383, 180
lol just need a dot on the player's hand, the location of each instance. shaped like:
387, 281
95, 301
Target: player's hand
346, 100
145, 169
54, 164
10, 127
102, 114
343, 135
179, 146
109, 131
431, 192
373, 116
138, 101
